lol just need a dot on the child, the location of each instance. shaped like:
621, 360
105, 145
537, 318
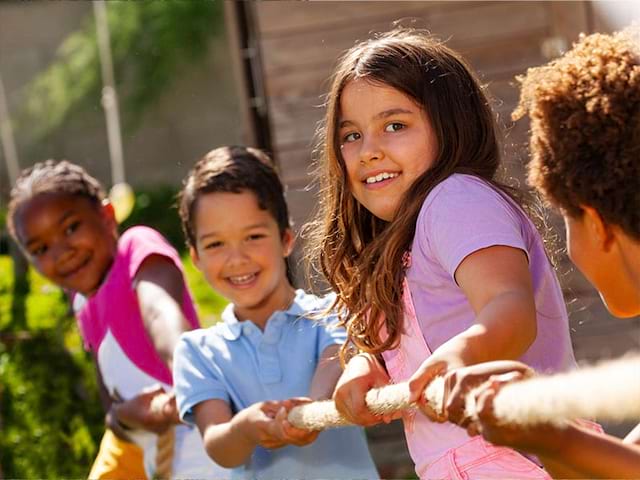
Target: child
131, 302
409, 165
238, 379
585, 142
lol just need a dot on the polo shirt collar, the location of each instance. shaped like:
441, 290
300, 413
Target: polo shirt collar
232, 327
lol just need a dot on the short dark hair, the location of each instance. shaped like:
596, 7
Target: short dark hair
233, 169
585, 128
52, 176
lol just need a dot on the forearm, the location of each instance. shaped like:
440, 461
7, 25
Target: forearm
504, 329
592, 455
227, 445
326, 375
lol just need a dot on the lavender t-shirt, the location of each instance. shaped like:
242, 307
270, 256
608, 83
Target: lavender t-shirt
464, 214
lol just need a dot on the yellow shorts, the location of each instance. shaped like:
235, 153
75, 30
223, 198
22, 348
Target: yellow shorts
117, 460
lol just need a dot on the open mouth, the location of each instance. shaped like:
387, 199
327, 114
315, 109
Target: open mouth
70, 272
381, 178
242, 280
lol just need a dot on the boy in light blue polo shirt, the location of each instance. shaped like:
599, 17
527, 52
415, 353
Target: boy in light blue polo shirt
237, 380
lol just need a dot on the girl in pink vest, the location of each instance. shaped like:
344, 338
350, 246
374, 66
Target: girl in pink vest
435, 261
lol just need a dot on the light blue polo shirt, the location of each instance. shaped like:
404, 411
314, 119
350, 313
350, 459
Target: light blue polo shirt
237, 362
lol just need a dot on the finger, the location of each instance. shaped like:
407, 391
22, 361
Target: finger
422, 378
438, 417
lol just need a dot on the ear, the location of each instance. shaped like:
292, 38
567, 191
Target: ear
603, 234
288, 242
194, 257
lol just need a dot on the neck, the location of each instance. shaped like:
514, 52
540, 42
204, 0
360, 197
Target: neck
630, 253
279, 300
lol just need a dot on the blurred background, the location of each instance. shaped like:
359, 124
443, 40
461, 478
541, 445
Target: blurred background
189, 76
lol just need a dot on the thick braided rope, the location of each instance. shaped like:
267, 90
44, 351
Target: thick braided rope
608, 391
164, 454
165, 444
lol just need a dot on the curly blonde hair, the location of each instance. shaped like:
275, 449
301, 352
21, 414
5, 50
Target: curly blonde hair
585, 128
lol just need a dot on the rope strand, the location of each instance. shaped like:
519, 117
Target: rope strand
609, 391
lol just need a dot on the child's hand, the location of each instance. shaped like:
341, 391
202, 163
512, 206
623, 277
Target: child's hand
259, 426
434, 366
540, 439
153, 410
286, 432
459, 382
362, 373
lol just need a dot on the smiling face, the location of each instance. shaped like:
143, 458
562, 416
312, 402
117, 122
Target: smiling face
68, 238
386, 143
241, 252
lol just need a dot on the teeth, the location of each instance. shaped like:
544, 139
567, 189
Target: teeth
242, 279
381, 176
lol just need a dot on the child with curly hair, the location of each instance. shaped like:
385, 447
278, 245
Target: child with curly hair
585, 145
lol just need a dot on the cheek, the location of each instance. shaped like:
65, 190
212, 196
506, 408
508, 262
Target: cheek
350, 167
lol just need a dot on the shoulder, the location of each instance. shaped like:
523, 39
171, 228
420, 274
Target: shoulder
139, 243
307, 304
201, 336
141, 235
463, 196
464, 188
200, 343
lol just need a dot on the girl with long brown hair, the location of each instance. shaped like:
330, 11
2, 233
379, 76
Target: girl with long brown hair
435, 263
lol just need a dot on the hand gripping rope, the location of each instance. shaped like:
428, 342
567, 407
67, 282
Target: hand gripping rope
608, 391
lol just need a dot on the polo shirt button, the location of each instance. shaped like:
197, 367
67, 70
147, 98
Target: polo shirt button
246, 329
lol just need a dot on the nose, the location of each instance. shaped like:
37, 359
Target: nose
370, 150
236, 256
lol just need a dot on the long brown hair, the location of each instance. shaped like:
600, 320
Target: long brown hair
360, 255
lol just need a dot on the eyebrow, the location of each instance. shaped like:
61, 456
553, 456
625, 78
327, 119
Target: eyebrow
215, 233
61, 220
381, 115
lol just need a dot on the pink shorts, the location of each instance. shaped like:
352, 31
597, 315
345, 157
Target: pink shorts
479, 459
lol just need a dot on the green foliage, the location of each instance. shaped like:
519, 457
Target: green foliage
49, 409
6, 291
150, 42
208, 303
156, 208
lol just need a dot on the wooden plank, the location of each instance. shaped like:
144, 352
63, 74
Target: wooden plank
302, 17
297, 167
494, 21
294, 120
492, 60
569, 20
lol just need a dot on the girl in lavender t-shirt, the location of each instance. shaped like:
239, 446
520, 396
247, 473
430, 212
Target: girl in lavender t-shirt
436, 264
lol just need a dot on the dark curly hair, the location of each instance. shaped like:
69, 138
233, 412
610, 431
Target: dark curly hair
585, 128
51, 176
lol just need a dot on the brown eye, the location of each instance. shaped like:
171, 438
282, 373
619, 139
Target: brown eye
394, 127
